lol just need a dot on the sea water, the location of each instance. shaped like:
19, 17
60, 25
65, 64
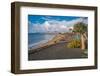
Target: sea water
35, 39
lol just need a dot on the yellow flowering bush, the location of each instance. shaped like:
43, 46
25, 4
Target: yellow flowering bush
74, 44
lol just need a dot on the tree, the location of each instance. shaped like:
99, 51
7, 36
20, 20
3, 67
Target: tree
81, 29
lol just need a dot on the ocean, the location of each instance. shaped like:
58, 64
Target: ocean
35, 39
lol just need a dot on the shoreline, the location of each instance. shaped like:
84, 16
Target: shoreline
59, 38
38, 44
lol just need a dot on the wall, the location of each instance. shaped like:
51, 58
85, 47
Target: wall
5, 35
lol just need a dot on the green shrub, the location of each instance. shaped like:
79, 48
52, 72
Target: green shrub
74, 44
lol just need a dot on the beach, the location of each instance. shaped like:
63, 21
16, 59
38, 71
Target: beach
56, 48
58, 38
57, 51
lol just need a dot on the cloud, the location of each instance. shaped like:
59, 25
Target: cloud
54, 25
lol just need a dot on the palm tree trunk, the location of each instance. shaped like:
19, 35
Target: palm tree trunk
85, 36
82, 42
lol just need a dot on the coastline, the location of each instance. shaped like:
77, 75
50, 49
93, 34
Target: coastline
56, 48
58, 38
38, 44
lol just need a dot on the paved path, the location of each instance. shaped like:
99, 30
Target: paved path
58, 51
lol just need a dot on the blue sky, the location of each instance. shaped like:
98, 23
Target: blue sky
43, 18
45, 23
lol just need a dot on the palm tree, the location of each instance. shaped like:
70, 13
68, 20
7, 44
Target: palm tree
81, 29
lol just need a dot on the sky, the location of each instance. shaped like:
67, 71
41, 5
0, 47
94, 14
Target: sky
47, 23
